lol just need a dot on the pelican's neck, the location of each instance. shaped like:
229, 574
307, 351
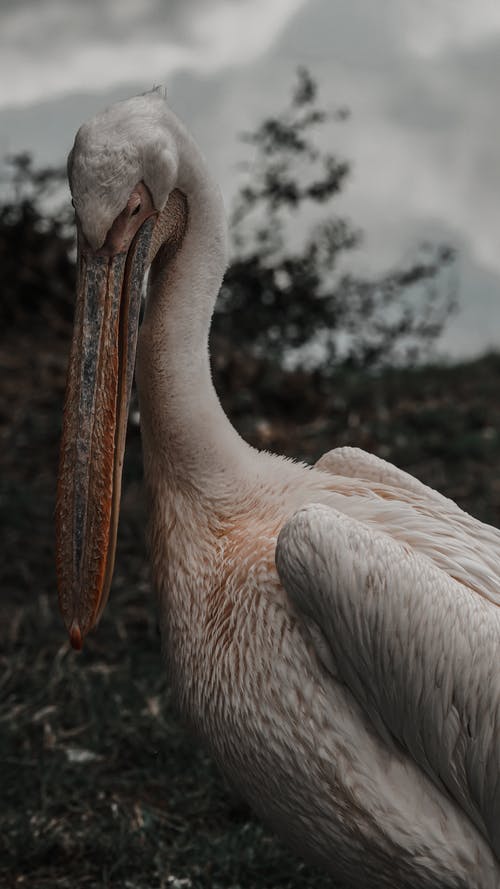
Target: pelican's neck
186, 433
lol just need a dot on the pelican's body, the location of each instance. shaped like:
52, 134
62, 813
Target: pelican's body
332, 632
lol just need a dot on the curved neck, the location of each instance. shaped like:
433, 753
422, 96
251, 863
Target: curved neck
185, 432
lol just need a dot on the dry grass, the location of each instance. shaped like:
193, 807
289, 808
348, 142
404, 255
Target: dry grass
101, 784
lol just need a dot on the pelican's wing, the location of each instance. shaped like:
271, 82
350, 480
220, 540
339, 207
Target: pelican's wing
356, 463
418, 650
379, 493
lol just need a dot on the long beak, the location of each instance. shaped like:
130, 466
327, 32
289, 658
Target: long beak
96, 407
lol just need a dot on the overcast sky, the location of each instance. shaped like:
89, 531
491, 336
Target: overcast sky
421, 80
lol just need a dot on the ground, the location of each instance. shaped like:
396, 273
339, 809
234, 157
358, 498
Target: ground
101, 784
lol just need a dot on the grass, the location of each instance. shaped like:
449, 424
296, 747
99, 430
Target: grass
101, 785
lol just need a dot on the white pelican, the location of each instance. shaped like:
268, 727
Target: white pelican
333, 633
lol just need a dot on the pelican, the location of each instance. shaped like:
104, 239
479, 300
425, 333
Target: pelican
331, 632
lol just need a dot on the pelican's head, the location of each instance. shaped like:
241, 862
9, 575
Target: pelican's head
128, 146
122, 170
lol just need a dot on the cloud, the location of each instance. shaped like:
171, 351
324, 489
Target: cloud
55, 47
432, 29
420, 78
429, 148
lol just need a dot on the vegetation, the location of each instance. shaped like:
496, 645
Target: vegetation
36, 250
286, 301
101, 784
276, 301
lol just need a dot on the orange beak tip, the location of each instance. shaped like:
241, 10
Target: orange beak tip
75, 636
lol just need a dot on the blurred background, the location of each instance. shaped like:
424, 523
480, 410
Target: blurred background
356, 147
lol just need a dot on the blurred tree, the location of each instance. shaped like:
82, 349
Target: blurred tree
282, 301
36, 248
279, 301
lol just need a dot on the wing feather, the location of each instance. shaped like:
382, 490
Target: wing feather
379, 493
417, 649
356, 463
